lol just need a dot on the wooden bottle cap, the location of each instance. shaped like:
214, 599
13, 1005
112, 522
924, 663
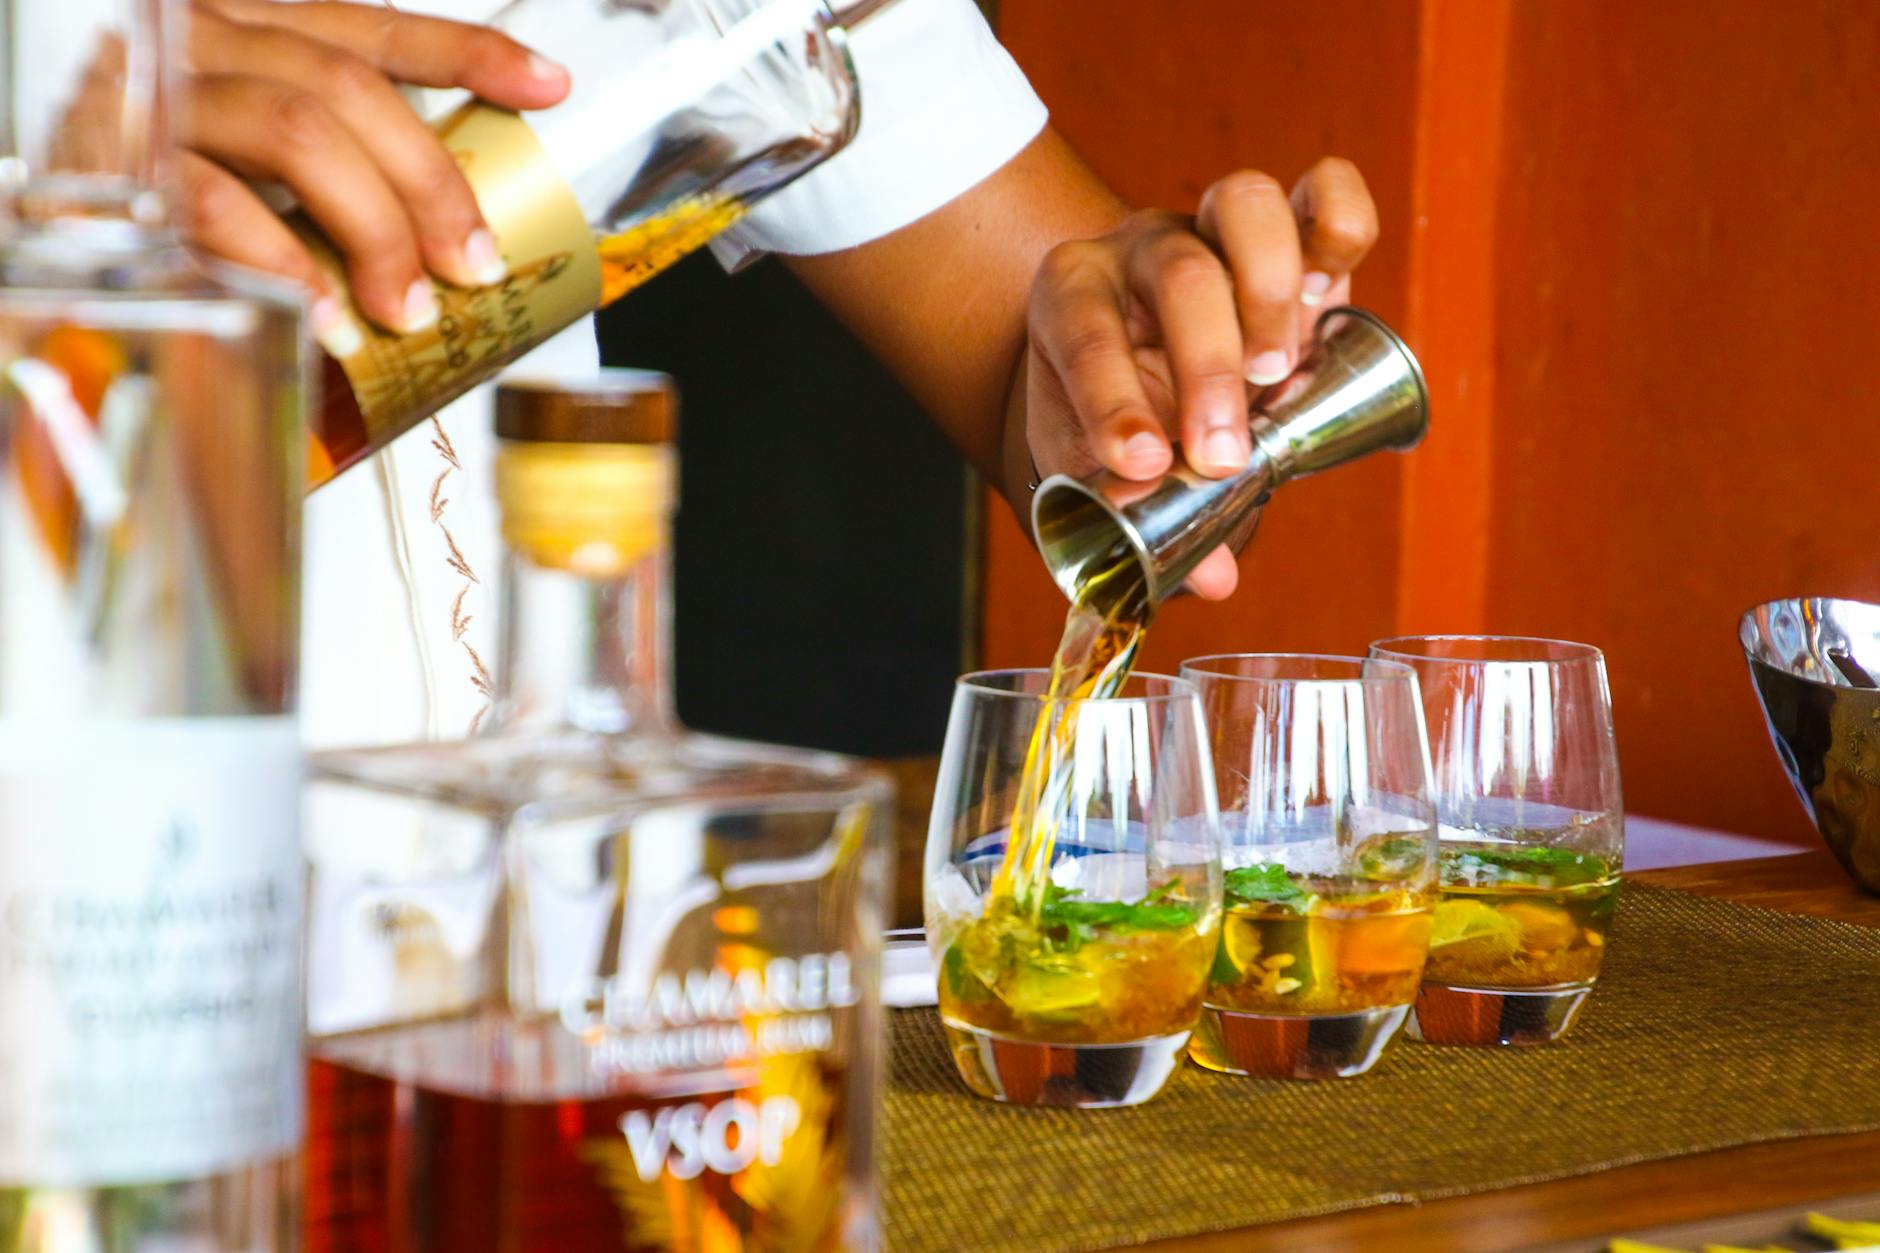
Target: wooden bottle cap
605, 407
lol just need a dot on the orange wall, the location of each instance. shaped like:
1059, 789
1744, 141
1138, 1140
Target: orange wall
1633, 246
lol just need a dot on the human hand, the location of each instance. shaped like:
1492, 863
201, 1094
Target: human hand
302, 94
1152, 333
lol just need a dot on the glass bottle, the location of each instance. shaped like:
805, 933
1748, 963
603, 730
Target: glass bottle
682, 114
587, 981
151, 428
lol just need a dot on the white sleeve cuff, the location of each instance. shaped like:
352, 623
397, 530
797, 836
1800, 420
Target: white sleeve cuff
943, 107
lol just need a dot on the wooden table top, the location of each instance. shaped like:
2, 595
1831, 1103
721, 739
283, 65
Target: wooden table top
1630, 1198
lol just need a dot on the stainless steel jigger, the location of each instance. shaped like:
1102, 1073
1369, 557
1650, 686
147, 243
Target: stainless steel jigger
1357, 390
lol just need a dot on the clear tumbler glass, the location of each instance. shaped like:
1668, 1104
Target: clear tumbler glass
1328, 839
1074, 950
1533, 833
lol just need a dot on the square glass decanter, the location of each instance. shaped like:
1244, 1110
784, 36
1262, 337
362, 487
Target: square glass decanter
586, 980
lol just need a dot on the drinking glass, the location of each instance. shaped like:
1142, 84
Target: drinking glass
1072, 945
1328, 845
1532, 833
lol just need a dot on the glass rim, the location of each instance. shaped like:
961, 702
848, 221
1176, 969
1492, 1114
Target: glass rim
1396, 671
1573, 652
977, 682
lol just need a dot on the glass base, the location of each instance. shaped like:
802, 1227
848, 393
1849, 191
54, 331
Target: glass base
1492, 1016
1332, 1046
1081, 1076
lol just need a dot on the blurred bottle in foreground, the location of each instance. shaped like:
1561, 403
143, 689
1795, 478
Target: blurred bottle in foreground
151, 435
683, 114
587, 981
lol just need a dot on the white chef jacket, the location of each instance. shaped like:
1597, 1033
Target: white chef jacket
943, 106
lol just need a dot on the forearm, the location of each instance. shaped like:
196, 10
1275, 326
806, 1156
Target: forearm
942, 302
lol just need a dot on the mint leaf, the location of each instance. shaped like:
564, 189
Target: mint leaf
1549, 867
1071, 922
1264, 885
961, 982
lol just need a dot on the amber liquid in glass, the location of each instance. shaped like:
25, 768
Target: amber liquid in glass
1520, 933
1315, 973
1110, 989
1518, 922
1348, 951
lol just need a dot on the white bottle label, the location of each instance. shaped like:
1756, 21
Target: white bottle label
150, 901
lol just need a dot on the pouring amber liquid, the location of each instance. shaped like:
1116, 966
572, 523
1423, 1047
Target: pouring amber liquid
341, 434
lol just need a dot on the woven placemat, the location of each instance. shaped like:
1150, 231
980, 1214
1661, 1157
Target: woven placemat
1713, 1025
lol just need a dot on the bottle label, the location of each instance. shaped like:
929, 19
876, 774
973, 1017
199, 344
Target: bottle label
150, 990
554, 277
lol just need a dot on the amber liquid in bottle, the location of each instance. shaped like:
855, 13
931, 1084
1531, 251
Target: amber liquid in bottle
402, 1165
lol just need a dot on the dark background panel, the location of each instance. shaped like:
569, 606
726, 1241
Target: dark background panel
821, 552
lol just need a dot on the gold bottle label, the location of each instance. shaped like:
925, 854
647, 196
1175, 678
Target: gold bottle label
554, 277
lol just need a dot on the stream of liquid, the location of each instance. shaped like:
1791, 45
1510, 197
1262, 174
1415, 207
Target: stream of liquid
1106, 624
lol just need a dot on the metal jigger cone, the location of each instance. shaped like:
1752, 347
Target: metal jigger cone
1357, 390
1815, 663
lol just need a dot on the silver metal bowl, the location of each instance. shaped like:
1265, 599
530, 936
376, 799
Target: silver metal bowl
1816, 665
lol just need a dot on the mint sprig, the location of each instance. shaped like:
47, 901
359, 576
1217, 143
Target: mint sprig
1070, 921
1549, 867
1267, 884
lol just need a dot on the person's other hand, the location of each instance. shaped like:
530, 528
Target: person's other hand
1152, 333
302, 94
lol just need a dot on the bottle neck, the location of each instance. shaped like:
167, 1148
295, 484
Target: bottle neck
581, 653
85, 125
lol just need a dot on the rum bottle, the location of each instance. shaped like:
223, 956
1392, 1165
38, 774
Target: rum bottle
587, 981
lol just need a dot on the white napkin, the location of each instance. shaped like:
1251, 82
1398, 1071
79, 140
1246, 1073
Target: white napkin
907, 974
